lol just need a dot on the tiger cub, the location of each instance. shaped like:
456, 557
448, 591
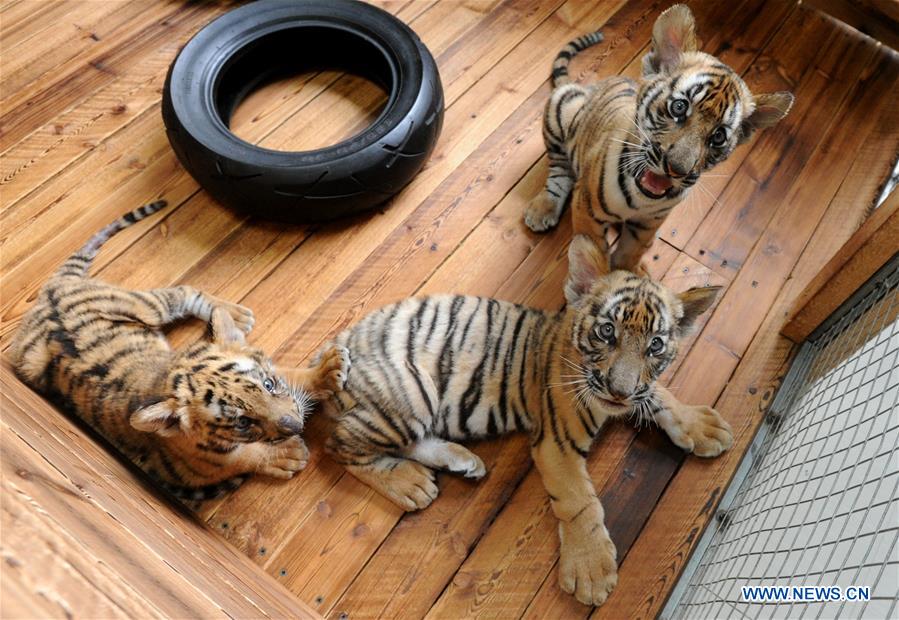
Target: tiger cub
627, 152
196, 420
430, 371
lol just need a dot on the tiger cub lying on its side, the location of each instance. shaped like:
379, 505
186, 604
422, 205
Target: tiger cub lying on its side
433, 369
628, 152
195, 420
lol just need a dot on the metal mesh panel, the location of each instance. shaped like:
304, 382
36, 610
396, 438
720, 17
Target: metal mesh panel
816, 502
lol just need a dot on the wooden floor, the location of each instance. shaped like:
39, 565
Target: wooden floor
82, 140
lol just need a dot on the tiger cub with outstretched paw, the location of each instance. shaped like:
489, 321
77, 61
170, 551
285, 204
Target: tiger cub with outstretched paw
430, 371
627, 152
196, 420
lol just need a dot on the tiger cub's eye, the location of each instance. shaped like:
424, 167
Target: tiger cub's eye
678, 107
719, 137
606, 331
243, 423
269, 384
656, 346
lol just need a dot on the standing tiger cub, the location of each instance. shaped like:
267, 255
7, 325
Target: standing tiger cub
430, 371
195, 420
628, 152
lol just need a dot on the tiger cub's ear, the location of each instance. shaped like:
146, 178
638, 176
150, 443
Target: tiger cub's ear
695, 301
769, 109
587, 262
158, 418
673, 34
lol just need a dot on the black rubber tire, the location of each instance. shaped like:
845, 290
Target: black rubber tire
231, 56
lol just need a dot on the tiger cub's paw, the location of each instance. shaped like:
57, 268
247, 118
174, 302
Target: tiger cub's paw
710, 433
541, 213
333, 369
411, 486
698, 429
468, 464
288, 458
587, 564
241, 315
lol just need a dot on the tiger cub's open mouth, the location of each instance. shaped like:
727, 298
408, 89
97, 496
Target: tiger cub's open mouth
653, 184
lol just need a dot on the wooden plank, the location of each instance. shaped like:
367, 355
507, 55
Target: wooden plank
108, 506
53, 566
142, 170
266, 104
14, 13
21, 21
447, 25
38, 483
17, 600
352, 98
866, 251
878, 19
481, 265
650, 567
46, 212
57, 36
36, 102
873, 165
80, 129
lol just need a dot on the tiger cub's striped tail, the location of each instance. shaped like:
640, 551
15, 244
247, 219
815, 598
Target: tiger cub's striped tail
560, 64
79, 262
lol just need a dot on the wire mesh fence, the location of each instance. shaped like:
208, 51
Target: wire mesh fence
816, 503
